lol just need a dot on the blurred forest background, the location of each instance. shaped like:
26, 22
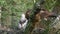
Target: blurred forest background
11, 10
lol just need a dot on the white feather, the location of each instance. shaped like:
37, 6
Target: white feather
23, 17
23, 26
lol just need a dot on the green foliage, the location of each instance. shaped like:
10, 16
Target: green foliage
50, 4
12, 10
